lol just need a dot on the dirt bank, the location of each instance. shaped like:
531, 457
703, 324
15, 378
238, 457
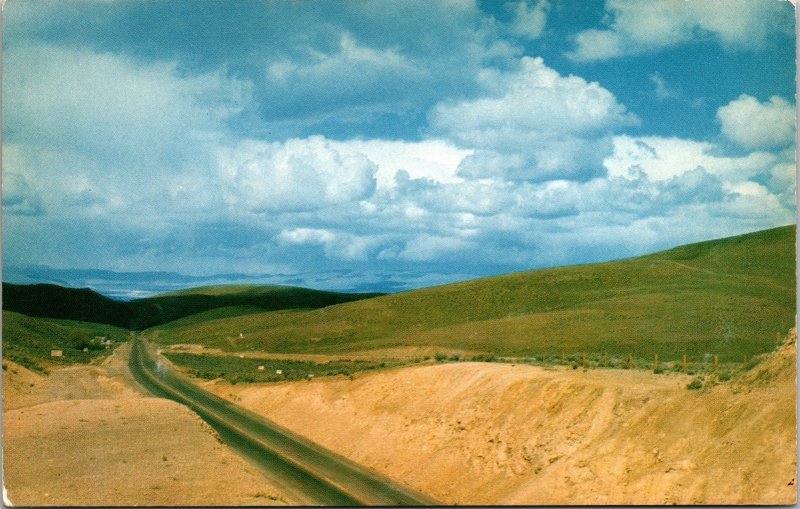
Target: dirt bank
477, 433
85, 435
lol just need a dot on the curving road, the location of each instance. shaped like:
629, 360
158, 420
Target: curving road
314, 474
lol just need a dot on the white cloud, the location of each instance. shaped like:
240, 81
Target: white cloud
296, 175
529, 22
663, 158
754, 202
662, 91
754, 125
112, 107
432, 159
339, 245
643, 27
349, 62
533, 116
535, 98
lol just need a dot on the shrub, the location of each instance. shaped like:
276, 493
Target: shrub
440, 357
753, 362
89, 344
695, 384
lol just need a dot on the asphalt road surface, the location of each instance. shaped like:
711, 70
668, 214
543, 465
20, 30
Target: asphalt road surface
309, 471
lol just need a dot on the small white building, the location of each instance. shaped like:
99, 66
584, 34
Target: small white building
278, 371
261, 368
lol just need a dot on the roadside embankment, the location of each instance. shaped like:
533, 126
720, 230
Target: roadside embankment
480, 433
87, 436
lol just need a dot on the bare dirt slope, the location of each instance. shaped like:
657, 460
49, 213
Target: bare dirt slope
477, 433
86, 436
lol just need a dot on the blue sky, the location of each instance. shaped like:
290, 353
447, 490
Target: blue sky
389, 145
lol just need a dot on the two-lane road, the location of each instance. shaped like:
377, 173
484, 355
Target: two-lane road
314, 474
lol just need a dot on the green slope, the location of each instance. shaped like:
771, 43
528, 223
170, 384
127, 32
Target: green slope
728, 297
29, 340
53, 301
83, 304
236, 298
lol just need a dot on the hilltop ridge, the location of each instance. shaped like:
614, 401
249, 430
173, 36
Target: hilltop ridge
728, 297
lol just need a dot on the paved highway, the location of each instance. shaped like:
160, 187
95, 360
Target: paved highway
314, 474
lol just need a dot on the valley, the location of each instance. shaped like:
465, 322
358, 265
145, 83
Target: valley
663, 379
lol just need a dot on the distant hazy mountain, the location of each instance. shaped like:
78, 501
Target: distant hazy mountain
134, 285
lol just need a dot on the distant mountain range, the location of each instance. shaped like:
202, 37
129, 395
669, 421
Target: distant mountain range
135, 285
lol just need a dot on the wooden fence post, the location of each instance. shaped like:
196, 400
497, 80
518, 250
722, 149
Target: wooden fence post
716, 362
629, 362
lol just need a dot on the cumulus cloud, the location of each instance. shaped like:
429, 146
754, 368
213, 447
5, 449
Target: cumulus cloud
663, 158
295, 175
434, 159
336, 244
534, 97
533, 123
529, 22
755, 125
644, 27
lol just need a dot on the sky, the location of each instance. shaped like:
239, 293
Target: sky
387, 145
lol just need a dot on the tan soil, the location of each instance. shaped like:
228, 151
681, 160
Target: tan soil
477, 433
85, 435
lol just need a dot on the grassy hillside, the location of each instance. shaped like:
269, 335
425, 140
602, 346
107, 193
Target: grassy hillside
83, 304
728, 297
29, 340
236, 299
53, 301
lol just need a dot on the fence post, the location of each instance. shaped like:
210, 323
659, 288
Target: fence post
629, 362
583, 359
716, 362
562, 357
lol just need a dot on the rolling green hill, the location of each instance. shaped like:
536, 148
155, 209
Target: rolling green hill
53, 301
728, 297
236, 299
29, 340
83, 304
